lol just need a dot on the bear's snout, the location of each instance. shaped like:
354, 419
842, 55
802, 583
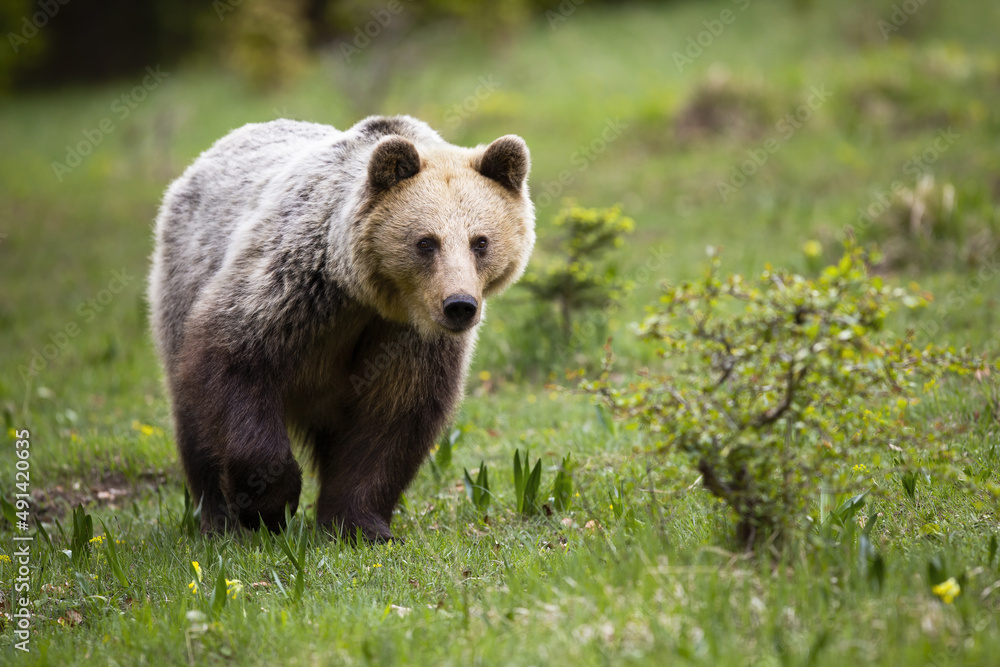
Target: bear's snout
460, 311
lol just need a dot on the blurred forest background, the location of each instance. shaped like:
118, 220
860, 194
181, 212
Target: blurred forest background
268, 41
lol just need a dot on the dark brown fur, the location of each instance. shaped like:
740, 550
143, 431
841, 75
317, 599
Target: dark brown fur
367, 439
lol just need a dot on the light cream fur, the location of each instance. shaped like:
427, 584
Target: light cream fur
452, 203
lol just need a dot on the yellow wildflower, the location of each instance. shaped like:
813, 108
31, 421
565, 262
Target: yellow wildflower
4, 558
99, 540
146, 429
234, 587
812, 249
947, 590
194, 582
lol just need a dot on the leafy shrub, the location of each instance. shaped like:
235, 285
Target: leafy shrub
773, 387
580, 281
580, 278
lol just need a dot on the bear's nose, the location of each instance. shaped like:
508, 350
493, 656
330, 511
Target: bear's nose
459, 309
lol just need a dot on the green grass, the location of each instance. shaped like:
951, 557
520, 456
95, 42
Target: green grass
664, 588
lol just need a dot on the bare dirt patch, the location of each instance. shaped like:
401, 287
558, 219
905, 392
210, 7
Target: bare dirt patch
111, 490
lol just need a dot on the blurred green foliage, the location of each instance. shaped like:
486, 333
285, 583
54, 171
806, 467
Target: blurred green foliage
482, 15
267, 42
933, 225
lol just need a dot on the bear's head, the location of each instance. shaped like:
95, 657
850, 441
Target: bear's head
442, 229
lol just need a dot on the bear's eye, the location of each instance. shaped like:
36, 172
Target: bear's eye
426, 244
480, 243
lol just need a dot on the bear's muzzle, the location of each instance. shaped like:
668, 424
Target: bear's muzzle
460, 311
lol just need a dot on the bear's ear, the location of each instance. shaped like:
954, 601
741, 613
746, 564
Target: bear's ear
394, 159
506, 161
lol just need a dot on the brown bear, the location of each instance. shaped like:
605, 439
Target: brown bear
328, 284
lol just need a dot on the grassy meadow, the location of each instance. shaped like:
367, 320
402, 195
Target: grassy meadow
617, 107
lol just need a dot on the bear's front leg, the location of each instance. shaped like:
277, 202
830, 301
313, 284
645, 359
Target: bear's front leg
233, 411
390, 422
200, 459
364, 470
260, 477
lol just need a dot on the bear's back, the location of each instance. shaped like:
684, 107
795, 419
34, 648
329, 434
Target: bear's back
203, 208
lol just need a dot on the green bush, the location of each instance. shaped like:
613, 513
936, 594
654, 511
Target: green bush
775, 388
578, 282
